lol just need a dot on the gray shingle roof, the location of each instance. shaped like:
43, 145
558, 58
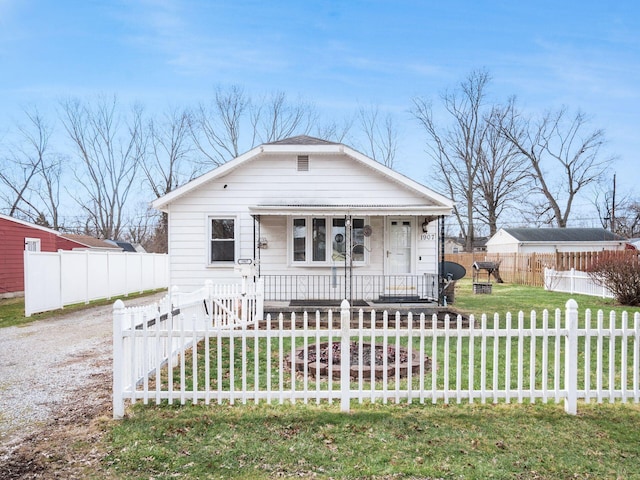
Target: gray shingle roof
302, 140
562, 234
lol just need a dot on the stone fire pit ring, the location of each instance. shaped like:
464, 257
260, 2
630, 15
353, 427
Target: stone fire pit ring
318, 357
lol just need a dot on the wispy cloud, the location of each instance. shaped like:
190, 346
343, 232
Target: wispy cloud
173, 29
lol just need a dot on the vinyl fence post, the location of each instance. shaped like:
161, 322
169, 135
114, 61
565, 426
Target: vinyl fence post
118, 360
571, 358
572, 277
259, 286
345, 357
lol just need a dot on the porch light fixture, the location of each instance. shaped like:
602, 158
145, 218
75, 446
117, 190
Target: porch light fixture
263, 242
427, 221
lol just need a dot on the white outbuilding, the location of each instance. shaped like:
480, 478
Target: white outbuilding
553, 240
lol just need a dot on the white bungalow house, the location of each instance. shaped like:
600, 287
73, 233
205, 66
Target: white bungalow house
552, 240
318, 221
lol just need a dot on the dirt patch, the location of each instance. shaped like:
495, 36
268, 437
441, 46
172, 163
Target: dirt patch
55, 399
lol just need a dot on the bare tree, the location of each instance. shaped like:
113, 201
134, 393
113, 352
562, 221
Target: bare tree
216, 127
502, 170
145, 228
49, 191
31, 174
381, 135
167, 153
109, 149
334, 131
563, 157
626, 221
167, 167
456, 149
275, 118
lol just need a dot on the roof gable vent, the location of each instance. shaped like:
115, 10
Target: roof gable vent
303, 163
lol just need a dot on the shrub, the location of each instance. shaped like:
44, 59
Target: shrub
621, 275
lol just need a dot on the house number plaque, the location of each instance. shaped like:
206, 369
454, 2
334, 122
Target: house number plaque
427, 236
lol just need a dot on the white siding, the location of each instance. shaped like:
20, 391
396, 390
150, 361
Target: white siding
502, 242
274, 180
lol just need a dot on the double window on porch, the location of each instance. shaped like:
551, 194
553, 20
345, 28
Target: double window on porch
327, 240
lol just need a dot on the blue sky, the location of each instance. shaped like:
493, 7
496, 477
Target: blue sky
338, 55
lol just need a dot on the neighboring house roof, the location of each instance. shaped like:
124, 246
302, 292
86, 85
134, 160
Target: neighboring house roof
125, 246
28, 224
304, 145
563, 235
91, 242
478, 242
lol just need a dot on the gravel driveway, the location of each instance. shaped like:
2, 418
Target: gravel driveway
55, 374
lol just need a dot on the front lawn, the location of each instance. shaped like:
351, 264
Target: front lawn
387, 441
393, 441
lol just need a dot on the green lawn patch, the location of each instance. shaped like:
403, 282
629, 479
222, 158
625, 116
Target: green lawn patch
393, 441
508, 297
12, 309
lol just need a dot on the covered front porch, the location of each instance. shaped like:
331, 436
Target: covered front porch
316, 290
309, 255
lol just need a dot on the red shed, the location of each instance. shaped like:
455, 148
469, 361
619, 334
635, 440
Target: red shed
16, 236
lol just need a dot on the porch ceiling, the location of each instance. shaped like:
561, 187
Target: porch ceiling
364, 210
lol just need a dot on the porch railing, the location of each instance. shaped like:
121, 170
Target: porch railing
281, 288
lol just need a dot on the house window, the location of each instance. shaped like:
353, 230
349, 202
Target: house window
320, 240
222, 240
32, 244
357, 248
299, 240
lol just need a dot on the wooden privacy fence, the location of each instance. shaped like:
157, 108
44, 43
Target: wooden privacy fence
390, 358
528, 268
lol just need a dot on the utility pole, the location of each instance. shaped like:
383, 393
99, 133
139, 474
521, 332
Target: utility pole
613, 205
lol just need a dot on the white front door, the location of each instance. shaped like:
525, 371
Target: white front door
398, 280
399, 247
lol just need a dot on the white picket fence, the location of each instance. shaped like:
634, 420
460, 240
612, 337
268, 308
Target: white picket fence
545, 359
148, 338
55, 279
574, 282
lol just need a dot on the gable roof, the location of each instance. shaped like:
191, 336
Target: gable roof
302, 144
562, 235
28, 224
302, 140
90, 242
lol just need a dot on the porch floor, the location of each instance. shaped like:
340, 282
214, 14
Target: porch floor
311, 306
274, 309
325, 303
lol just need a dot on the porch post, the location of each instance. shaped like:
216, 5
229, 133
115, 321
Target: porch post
256, 239
441, 262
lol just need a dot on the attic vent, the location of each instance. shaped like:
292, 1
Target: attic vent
303, 163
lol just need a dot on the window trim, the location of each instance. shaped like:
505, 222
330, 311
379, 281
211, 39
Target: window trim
33, 241
209, 240
327, 262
